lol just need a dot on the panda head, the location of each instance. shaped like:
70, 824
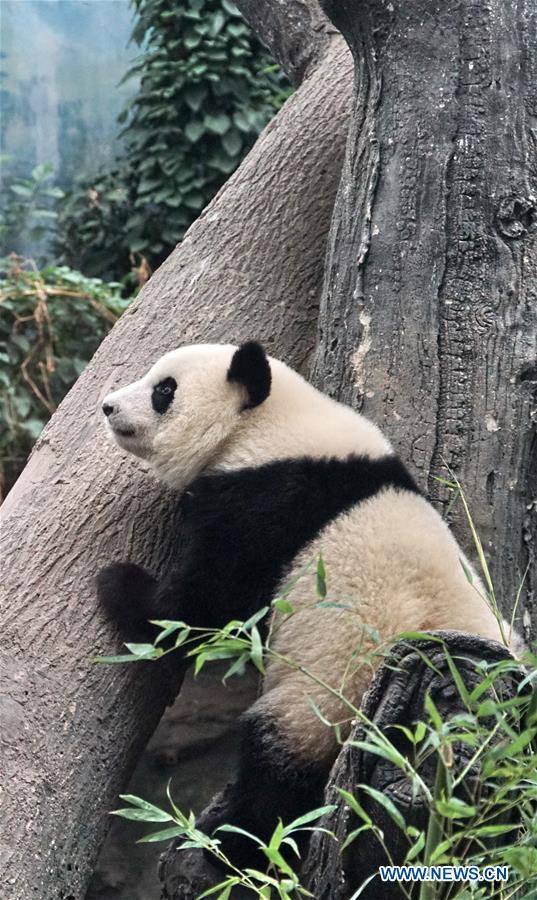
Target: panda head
181, 414
210, 407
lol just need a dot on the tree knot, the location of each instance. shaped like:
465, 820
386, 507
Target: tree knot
516, 216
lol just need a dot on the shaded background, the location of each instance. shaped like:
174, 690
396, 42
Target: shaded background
62, 61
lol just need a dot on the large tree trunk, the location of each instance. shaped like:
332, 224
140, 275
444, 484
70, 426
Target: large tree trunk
71, 730
428, 321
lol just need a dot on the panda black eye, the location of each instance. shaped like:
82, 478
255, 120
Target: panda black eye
163, 394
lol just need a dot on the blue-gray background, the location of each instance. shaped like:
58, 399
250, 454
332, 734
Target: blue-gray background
61, 64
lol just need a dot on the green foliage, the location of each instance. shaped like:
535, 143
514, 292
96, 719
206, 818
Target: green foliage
51, 322
206, 89
92, 222
27, 212
280, 880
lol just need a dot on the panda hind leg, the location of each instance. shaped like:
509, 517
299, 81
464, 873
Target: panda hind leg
272, 784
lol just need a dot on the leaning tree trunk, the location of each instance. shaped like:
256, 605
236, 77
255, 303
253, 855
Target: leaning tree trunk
70, 731
428, 320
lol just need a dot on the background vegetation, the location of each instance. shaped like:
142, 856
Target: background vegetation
206, 89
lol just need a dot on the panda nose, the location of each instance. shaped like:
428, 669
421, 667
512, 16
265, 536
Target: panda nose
108, 409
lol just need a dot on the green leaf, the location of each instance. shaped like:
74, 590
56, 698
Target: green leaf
416, 848
142, 811
253, 620
33, 427
420, 732
390, 807
194, 130
193, 200
257, 650
283, 606
192, 40
234, 829
169, 628
217, 23
230, 8
139, 815
356, 807
309, 817
218, 123
489, 830
232, 142
122, 658
468, 572
433, 712
353, 835
194, 96
454, 808
21, 190
140, 802
224, 886
143, 649
237, 29
42, 171
321, 578
274, 856
238, 667
165, 835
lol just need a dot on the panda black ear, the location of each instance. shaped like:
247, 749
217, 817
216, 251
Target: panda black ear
251, 369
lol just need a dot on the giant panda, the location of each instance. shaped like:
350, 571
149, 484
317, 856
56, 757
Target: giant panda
271, 474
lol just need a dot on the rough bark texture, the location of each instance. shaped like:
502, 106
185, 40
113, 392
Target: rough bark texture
428, 320
396, 695
297, 33
71, 730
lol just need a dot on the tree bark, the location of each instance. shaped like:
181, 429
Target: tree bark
428, 321
70, 730
297, 33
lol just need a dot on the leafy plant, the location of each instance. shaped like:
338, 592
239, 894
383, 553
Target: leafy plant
51, 322
206, 89
28, 210
280, 878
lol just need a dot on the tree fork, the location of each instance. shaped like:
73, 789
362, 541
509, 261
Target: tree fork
297, 34
71, 730
428, 321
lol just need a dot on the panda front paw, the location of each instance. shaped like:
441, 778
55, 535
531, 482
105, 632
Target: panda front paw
126, 591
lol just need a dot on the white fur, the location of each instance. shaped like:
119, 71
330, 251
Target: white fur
395, 566
390, 560
206, 427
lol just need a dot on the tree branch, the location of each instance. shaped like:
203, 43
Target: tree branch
296, 32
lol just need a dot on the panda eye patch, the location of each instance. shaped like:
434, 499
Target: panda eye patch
163, 394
